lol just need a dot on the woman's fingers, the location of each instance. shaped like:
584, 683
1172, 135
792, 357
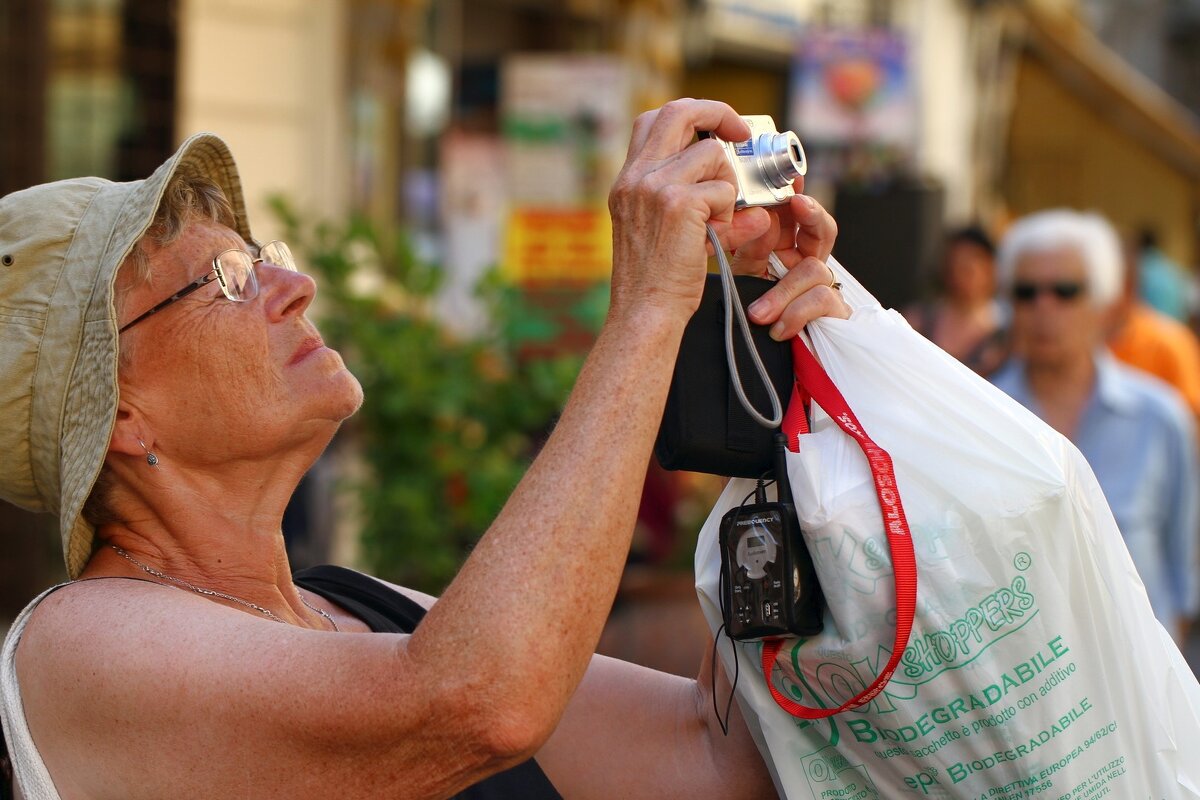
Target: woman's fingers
665, 131
815, 228
799, 229
751, 256
747, 228
670, 188
801, 296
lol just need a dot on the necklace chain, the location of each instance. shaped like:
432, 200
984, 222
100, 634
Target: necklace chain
266, 612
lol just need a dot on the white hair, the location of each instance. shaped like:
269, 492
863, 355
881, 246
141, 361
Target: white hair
1088, 234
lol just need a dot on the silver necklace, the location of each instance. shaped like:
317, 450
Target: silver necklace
266, 612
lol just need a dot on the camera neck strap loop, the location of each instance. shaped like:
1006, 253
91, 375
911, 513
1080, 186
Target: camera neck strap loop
733, 307
813, 382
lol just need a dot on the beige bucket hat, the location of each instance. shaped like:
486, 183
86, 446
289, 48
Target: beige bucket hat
60, 246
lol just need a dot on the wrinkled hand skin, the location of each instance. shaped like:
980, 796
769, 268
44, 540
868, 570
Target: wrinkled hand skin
671, 187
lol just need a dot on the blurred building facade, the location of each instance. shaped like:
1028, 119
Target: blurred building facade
1158, 38
344, 104
407, 109
1090, 131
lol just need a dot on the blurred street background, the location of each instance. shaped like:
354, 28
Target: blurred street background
442, 168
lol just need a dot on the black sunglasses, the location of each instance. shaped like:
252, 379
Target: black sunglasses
1063, 290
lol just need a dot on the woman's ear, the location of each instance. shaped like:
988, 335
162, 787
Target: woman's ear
131, 436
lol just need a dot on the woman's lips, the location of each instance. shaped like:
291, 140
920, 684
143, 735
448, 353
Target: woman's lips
309, 345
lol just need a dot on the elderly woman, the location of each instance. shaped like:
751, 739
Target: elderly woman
163, 393
1063, 271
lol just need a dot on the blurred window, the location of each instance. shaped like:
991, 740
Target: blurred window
90, 87
87, 87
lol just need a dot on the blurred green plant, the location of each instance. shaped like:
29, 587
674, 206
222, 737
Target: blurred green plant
449, 423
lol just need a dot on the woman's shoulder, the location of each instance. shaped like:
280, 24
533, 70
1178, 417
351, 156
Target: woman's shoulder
103, 622
63, 604
92, 590
63, 655
81, 613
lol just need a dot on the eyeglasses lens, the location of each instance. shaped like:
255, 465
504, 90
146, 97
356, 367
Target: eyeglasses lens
279, 254
237, 269
237, 273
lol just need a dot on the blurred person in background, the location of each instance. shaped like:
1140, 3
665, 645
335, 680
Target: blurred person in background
1063, 271
966, 320
1161, 282
167, 427
1153, 342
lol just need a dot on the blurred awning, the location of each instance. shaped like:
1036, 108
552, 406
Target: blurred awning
1100, 79
754, 31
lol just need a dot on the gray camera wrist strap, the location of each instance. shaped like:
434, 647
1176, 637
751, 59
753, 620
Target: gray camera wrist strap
733, 306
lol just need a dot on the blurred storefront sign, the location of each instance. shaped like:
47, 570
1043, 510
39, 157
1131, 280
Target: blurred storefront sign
472, 197
767, 30
853, 99
761, 27
552, 245
566, 121
853, 85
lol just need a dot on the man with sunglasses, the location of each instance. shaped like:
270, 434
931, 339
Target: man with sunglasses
1063, 271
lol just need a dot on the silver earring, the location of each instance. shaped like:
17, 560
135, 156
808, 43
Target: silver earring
151, 459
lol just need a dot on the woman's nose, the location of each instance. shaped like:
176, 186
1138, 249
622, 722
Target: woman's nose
286, 293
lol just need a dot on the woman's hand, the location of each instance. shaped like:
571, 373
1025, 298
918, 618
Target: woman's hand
668, 190
671, 187
801, 234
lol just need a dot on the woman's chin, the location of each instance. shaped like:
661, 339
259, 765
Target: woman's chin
347, 397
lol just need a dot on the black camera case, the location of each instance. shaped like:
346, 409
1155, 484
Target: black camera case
704, 427
769, 586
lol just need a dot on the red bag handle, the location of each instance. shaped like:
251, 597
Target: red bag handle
813, 382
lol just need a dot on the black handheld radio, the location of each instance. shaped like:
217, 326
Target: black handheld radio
769, 586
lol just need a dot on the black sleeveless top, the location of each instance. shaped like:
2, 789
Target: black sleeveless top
387, 611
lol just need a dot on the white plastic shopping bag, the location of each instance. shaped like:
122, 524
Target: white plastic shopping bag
1034, 667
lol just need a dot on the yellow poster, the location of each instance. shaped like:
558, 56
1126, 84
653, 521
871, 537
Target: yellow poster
557, 245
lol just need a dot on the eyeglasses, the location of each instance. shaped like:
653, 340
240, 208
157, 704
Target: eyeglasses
234, 272
1063, 290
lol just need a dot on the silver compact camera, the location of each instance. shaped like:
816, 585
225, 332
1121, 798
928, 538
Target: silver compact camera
765, 164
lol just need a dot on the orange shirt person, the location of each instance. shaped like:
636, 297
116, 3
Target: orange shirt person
1153, 342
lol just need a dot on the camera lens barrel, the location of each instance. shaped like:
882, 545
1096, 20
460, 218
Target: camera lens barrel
780, 158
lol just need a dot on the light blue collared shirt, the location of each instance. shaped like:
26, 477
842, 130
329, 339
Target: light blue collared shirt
1139, 439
